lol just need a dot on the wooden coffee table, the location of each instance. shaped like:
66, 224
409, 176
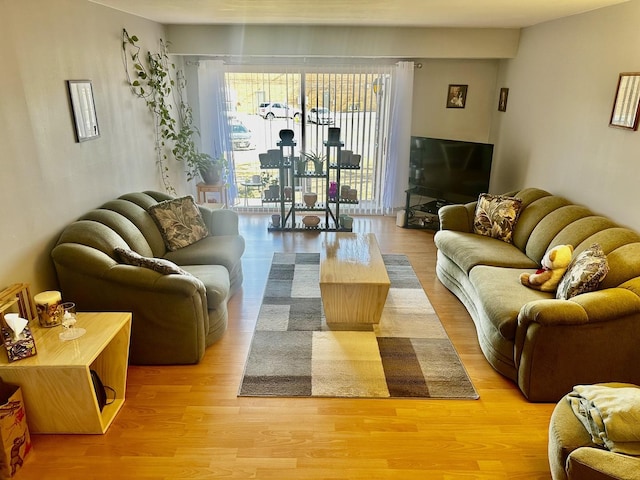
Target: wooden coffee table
353, 279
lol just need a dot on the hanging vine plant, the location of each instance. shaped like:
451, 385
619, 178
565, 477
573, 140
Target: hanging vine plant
156, 80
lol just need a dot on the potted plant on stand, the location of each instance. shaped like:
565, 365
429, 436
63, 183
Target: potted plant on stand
301, 164
212, 170
317, 159
272, 191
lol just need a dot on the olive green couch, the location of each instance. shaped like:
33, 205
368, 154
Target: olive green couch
175, 316
545, 345
574, 456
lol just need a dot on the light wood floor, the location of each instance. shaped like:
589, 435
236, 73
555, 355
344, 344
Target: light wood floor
186, 422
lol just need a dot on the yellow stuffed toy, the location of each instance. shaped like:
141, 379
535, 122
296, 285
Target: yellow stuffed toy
554, 264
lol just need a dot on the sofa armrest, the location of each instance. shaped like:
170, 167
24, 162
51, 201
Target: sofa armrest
587, 463
457, 217
220, 221
164, 307
591, 338
598, 306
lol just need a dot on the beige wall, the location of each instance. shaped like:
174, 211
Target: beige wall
47, 179
332, 42
432, 118
448, 56
555, 132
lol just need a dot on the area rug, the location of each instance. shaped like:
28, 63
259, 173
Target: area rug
294, 353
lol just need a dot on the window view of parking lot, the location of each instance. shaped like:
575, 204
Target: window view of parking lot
262, 104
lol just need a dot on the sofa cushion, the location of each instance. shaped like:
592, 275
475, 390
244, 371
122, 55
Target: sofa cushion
468, 250
213, 250
160, 265
143, 221
584, 274
531, 215
500, 295
496, 216
179, 221
124, 227
216, 282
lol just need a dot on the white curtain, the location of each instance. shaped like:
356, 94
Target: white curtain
397, 166
214, 125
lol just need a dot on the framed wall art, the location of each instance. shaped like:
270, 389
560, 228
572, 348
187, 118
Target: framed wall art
625, 105
83, 109
502, 101
457, 96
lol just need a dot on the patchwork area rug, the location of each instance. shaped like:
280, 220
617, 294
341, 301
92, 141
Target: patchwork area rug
295, 354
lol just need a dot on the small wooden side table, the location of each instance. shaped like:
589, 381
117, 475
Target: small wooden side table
56, 383
204, 188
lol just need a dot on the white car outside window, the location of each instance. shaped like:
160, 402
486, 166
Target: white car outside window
271, 110
321, 116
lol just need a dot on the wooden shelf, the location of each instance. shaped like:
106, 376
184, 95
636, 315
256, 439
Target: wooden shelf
56, 383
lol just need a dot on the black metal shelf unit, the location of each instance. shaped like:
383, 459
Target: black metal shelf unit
287, 176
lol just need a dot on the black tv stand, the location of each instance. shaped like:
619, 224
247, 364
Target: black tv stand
422, 215
433, 206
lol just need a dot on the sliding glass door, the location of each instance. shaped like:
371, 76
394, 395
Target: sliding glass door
261, 101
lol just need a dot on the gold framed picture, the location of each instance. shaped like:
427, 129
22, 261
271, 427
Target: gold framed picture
457, 96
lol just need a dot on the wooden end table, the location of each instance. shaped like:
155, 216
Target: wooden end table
204, 188
353, 279
56, 383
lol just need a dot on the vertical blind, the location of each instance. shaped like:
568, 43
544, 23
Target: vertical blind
358, 101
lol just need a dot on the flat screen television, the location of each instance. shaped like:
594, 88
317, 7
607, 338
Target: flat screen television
450, 171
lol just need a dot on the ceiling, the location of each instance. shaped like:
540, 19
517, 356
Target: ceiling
415, 13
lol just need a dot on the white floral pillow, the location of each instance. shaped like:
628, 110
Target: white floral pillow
584, 274
179, 221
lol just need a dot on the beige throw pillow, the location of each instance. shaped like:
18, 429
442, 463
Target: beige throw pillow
496, 216
179, 221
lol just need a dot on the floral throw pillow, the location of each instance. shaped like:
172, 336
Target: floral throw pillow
160, 265
584, 274
496, 216
179, 221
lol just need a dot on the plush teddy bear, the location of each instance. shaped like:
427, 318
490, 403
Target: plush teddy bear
554, 264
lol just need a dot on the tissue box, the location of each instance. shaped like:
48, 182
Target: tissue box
24, 347
14, 433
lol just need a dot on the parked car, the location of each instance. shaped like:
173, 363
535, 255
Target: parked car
271, 110
321, 116
240, 136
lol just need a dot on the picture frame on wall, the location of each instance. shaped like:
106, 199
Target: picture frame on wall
502, 100
626, 105
457, 96
83, 108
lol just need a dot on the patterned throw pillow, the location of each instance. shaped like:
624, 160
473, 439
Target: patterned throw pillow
160, 265
496, 216
179, 221
584, 274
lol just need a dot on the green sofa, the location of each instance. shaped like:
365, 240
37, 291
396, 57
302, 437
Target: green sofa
545, 345
574, 456
175, 316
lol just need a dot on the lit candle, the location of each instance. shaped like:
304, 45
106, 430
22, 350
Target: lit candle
48, 306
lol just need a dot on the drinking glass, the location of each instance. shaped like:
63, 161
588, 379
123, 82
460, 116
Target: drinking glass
69, 320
